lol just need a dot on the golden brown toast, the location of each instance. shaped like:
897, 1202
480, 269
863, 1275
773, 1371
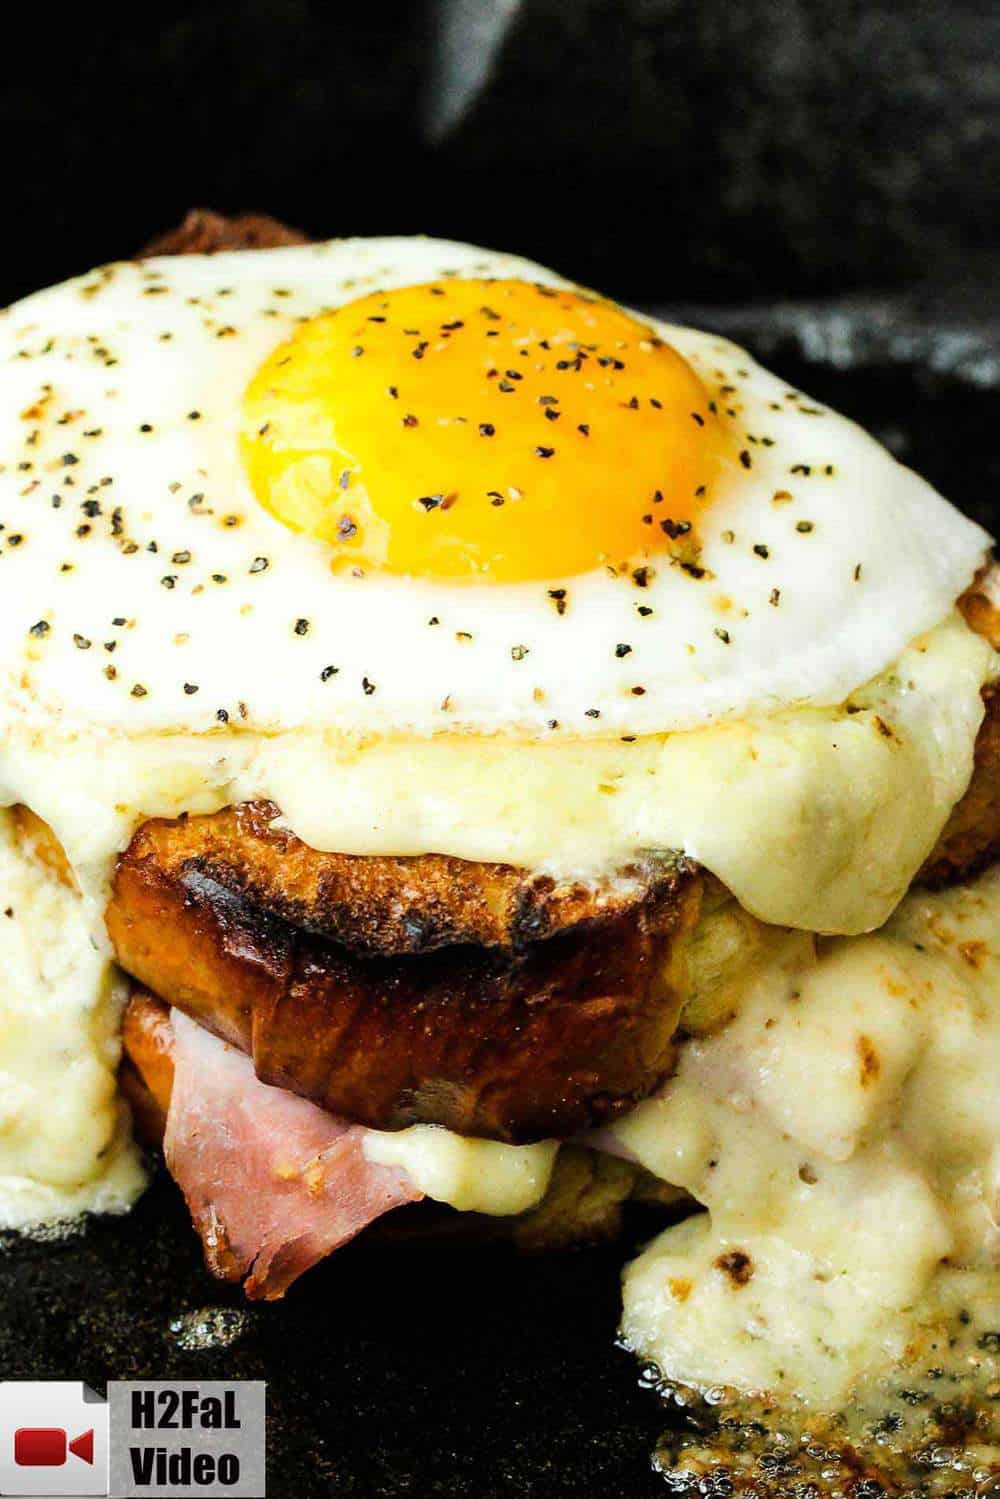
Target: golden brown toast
546, 1041
380, 905
206, 233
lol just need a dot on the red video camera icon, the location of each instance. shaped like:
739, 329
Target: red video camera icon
48, 1446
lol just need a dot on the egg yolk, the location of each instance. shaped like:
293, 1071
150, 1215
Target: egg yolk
481, 429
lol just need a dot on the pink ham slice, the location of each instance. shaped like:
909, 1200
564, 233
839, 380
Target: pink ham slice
273, 1183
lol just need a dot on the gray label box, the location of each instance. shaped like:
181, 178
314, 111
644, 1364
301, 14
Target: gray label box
171, 1439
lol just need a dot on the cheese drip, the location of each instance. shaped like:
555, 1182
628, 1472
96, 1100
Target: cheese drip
476, 1176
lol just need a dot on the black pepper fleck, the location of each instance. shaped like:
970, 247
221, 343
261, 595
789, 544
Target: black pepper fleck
675, 528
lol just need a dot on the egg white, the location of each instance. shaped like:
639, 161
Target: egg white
129, 603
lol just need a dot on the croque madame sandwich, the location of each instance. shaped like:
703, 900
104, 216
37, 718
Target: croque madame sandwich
495, 751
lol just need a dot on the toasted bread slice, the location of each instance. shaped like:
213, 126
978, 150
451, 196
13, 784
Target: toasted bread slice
558, 1037
206, 233
381, 906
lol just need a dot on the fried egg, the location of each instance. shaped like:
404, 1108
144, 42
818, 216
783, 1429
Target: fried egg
409, 486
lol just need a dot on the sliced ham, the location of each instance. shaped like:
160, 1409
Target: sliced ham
273, 1183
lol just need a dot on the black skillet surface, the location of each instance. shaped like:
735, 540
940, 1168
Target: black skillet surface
465, 1372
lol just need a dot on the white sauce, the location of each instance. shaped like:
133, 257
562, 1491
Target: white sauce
839, 1117
64, 1146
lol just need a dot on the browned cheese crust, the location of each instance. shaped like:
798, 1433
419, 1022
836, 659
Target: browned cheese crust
555, 1037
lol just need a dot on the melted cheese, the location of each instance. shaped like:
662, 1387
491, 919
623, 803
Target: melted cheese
836, 1110
64, 1145
476, 1176
815, 818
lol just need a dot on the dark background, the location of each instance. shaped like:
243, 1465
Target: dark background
664, 149
822, 181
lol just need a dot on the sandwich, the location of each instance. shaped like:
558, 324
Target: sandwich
475, 756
